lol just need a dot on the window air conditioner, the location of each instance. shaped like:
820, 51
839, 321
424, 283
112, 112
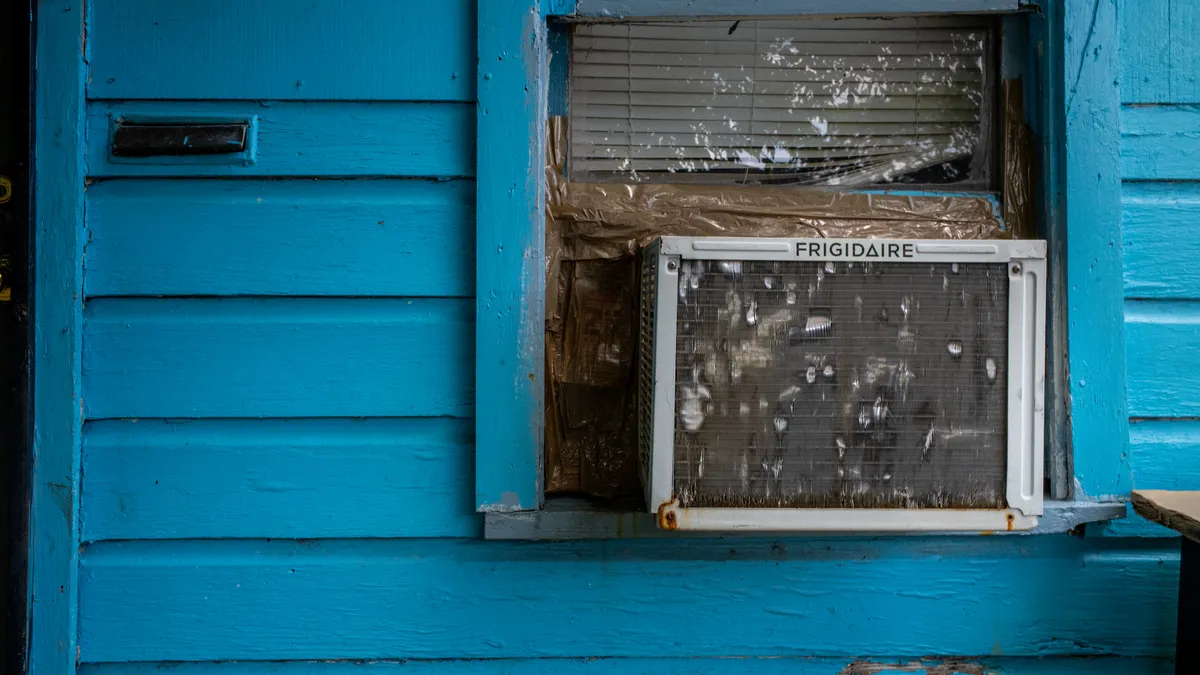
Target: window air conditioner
842, 385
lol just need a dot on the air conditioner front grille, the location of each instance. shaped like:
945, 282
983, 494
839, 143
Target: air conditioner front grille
822, 384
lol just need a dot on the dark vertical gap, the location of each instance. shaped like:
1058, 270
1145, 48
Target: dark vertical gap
558, 38
15, 159
1187, 653
1047, 25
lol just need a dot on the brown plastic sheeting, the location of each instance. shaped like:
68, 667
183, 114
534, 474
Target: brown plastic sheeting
593, 233
1019, 154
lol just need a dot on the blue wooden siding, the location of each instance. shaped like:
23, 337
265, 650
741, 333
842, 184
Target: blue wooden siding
307, 139
1159, 51
382, 237
57, 246
278, 383
1160, 219
298, 478
668, 666
277, 357
378, 50
258, 600
991, 665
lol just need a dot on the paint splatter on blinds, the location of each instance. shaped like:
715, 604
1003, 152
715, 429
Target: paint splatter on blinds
802, 101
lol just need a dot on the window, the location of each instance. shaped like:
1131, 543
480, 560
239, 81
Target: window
603, 80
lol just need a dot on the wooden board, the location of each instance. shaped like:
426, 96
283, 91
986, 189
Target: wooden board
991, 665
1160, 142
304, 139
1160, 56
306, 478
510, 286
443, 598
1185, 51
56, 238
1145, 54
284, 357
1161, 239
1162, 342
1092, 213
1178, 510
258, 49
271, 237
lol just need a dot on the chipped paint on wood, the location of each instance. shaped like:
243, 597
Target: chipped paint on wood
951, 667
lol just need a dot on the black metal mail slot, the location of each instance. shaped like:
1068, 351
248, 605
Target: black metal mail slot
138, 139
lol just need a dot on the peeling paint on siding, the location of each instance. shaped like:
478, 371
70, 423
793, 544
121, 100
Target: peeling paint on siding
952, 667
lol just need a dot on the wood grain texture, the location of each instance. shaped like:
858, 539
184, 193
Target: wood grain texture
1177, 510
296, 237
1160, 142
277, 358
1161, 234
1145, 50
510, 261
1160, 55
1183, 28
249, 49
666, 666
304, 139
306, 479
1165, 454
466, 599
1095, 315
1163, 341
57, 179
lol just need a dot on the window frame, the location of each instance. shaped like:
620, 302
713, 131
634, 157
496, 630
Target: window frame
513, 81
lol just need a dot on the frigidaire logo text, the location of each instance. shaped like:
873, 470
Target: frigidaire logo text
866, 249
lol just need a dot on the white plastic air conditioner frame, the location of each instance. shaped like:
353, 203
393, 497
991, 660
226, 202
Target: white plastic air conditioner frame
1026, 261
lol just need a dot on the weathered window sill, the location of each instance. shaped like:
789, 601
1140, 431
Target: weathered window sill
576, 519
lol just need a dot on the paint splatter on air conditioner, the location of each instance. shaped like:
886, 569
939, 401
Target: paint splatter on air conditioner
840, 384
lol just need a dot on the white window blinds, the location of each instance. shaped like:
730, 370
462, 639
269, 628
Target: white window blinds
803, 101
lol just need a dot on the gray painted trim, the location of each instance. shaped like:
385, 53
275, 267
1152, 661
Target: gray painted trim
573, 520
619, 9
